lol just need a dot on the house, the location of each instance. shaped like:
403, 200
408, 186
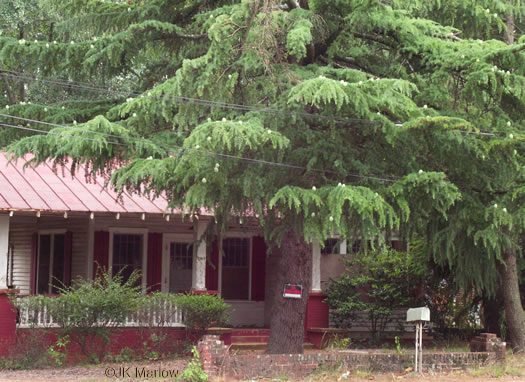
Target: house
55, 225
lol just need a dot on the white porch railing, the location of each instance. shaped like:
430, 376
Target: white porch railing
164, 315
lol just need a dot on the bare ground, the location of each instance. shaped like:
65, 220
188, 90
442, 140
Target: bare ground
105, 372
514, 370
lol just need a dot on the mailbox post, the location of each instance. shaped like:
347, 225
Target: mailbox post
418, 316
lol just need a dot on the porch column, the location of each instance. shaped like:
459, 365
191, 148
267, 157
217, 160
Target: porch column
4, 249
90, 249
316, 266
198, 273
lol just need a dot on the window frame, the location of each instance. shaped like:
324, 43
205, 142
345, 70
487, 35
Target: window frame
52, 233
131, 231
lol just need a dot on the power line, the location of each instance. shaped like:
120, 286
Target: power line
58, 134
184, 100
206, 103
181, 149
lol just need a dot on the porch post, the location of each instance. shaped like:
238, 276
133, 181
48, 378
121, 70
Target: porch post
316, 266
90, 248
198, 273
4, 249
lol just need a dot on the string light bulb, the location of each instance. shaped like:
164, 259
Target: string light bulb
38, 214
143, 216
167, 218
117, 216
11, 213
65, 214
92, 215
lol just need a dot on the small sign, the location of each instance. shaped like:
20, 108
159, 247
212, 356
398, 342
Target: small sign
293, 291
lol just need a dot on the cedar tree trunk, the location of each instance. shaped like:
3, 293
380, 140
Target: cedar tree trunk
492, 308
514, 315
288, 314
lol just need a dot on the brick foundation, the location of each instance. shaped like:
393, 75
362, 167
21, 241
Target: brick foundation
489, 342
137, 339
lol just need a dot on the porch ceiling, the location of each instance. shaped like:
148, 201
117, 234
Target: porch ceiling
41, 189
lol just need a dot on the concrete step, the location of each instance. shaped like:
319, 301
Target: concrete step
259, 346
244, 339
250, 332
248, 346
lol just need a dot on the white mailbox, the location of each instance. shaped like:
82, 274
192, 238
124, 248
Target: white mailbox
418, 314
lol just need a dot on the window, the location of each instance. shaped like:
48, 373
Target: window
235, 269
181, 255
181, 264
398, 245
127, 253
330, 247
51, 263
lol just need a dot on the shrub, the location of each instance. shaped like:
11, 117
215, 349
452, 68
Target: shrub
201, 311
88, 312
375, 283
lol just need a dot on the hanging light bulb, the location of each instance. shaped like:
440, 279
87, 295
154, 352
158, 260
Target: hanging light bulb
65, 214
11, 213
143, 216
167, 218
92, 215
38, 214
117, 216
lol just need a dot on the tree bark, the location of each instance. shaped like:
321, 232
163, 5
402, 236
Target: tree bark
288, 314
514, 314
492, 308
509, 32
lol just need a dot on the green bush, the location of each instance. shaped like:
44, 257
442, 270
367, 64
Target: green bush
201, 311
376, 283
89, 311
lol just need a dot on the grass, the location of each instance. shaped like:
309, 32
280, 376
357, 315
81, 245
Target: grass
364, 374
495, 371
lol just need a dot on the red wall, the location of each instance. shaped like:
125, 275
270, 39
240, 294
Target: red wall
7, 322
316, 311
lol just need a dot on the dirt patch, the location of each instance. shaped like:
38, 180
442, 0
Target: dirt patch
115, 371
513, 371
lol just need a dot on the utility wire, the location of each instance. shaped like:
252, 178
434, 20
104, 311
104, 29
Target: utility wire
58, 134
180, 149
205, 103
184, 100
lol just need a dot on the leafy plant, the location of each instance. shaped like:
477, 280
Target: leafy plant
201, 311
194, 371
57, 352
399, 350
375, 283
340, 343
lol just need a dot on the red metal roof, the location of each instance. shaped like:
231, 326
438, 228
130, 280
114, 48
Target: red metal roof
41, 189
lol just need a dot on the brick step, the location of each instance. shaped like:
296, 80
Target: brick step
259, 346
243, 339
250, 332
